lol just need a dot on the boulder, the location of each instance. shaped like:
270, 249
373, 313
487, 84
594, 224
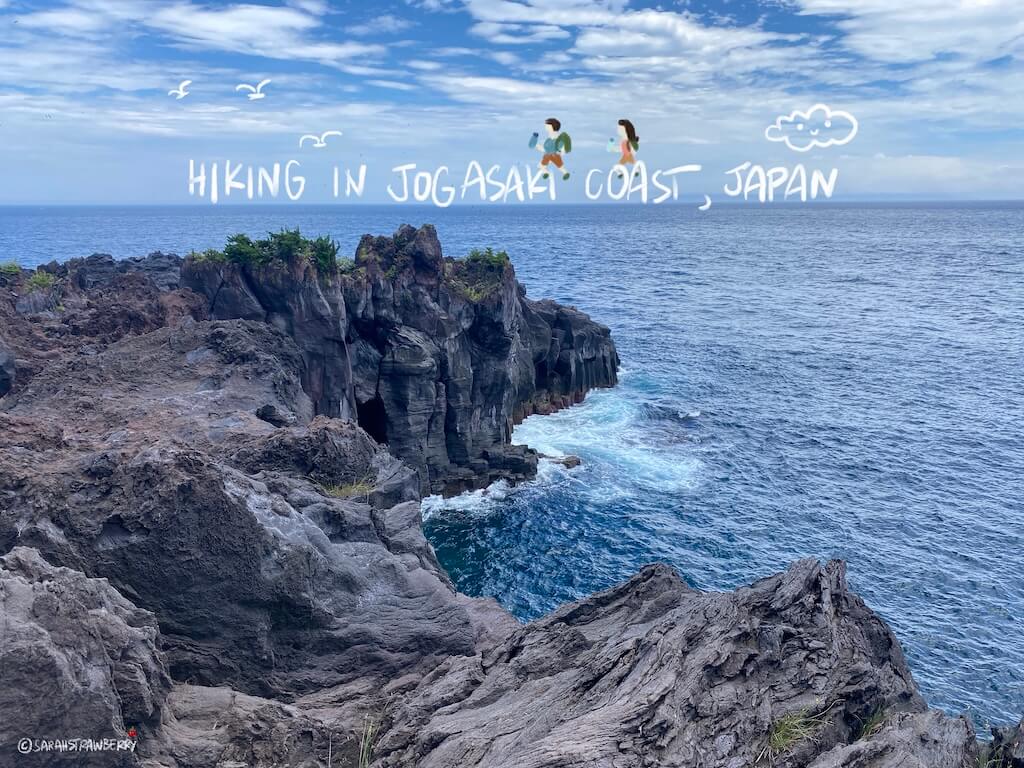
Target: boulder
80, 662
569, 462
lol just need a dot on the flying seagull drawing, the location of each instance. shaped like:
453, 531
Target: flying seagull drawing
257, 91
181, 91
318, 141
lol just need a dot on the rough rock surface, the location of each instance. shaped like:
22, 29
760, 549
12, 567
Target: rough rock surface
159, 476
653, 673
194, 542
436, 364
908, 740
77, 660
92, 303
292, 298
7, 368
1007, 750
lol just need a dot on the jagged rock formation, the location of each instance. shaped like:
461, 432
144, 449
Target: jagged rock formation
161, 477
434, 360
94, 302
653, 668
192, 548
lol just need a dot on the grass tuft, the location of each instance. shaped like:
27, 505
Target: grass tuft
988, 758
10, 268
41, 281
366, 740
793, 729
873, 724
359, 488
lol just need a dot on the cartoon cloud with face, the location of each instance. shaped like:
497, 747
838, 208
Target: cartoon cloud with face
820, 127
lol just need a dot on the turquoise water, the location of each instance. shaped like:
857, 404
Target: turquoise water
829, 381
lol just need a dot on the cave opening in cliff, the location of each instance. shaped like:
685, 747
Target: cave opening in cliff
374, 419
540, 375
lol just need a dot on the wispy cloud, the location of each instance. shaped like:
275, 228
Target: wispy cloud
387, 24
918, 30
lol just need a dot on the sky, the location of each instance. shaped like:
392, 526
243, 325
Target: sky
85, 115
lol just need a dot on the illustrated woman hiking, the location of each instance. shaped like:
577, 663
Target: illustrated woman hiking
627, 146
552, 147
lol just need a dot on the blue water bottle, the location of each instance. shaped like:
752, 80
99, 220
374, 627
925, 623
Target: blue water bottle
533, 140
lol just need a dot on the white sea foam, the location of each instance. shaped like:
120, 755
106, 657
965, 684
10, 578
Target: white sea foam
608, 434
474, 502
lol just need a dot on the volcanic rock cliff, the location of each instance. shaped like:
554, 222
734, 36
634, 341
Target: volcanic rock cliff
203, 545
435, 358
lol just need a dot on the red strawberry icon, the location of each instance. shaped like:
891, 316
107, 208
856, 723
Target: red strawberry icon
131, 732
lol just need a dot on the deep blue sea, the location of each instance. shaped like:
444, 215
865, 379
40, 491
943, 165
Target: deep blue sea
825, 381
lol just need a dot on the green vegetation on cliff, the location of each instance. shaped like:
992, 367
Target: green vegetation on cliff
41, 281
285, 246
478, 275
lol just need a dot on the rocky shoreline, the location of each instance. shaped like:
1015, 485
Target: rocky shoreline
210, 537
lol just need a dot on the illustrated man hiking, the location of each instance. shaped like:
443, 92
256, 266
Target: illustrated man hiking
553, 146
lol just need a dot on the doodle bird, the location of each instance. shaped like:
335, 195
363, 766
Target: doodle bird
181, 91
257, 91
318, 141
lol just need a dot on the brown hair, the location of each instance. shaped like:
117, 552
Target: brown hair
554, 123
634, 140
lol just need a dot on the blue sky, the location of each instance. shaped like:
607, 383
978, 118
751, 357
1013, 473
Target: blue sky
85, 115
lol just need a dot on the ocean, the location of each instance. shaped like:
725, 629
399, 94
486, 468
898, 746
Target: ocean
817, 381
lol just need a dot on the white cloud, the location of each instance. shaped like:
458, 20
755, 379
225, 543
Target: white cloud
517, 34
316, 7
424, 66
275, 32
271, 31
505, 58
918, 30
434, 5
69, 21
386, 24
392, 85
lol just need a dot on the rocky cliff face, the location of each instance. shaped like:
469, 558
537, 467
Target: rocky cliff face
198, 556
436, 359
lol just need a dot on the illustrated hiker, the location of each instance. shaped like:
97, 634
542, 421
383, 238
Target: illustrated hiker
553, 146
627, 145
